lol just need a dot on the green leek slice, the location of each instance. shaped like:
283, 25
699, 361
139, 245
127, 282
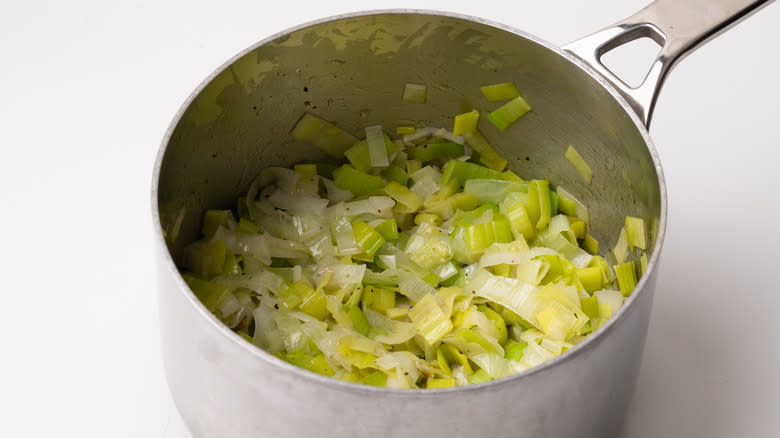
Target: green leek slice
430, 320
313, 302
642, 263
209, 293
621, 249
440, 383
413, 166
590, 306
395, 173
359, 154
360, 183
498, 322
388, 229
509, 112
205, 258
465, 123
247, 227
635, 230
503, 91
319, 364
487, 155
579, 163
414, 93
590, 278
626, 277
539, 209
610, 301
359, 321
378, 298
480, 376
323, 134
591, 244
515, 351
578, 228
367, 238
213, 219
435, 151
403, 196
518, 218
377, 150
572, 206
462, 171
493, 190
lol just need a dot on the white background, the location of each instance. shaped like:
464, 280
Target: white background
87, 90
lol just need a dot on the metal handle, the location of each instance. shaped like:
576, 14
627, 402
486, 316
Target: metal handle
678, 26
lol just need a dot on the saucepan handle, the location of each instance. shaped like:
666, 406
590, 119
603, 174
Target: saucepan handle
678, 26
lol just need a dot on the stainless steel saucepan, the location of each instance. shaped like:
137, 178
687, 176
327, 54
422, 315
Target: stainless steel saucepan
351, 69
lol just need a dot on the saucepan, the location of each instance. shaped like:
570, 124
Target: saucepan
352, 69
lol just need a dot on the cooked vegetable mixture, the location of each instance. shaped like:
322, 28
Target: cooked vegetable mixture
419, 261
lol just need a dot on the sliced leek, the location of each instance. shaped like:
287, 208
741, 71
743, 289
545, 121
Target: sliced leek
323, 134
465, 123
417, 262
579, 163
503, 91
509, 112
414, 93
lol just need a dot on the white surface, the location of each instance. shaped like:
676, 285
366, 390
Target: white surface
88, 89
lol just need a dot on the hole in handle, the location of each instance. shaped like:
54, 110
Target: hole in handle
632, 60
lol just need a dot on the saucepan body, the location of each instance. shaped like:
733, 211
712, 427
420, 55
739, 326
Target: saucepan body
352, 70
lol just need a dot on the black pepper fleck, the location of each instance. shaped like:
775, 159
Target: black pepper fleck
276, 306
305, 89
